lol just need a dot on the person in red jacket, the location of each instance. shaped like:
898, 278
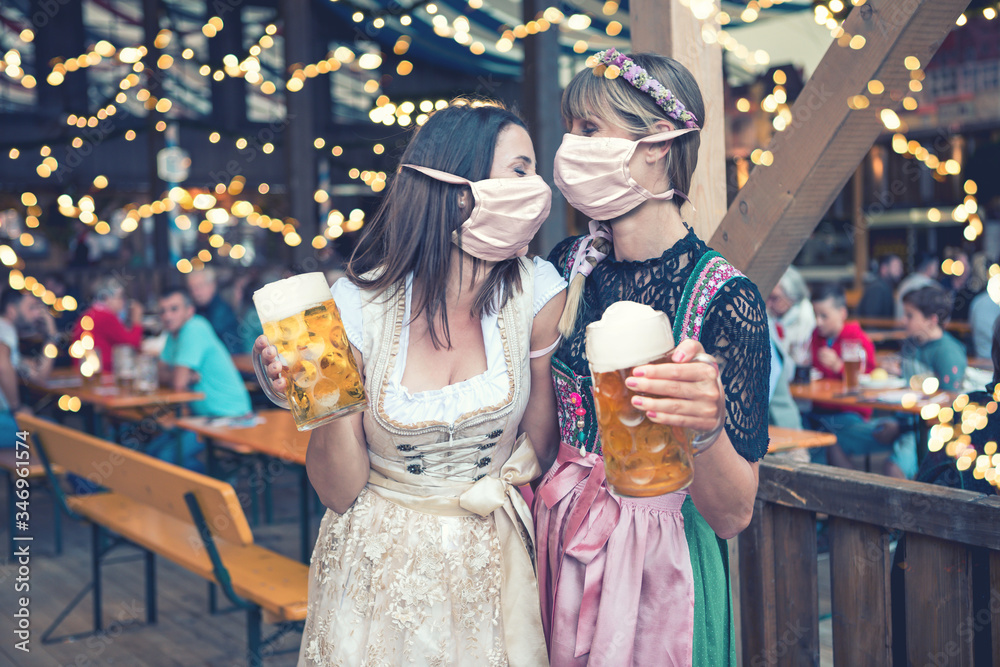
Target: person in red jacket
102, 322
833, 330
856, 433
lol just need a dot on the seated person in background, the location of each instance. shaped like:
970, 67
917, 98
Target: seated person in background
957, 283
927, 350
209, 303
928, 347
250, 326
856, 434
940, 467
926, 273
194, 358
18, 311
983, 314
833, 330
789, 305
782, 409
105, 324
877, 300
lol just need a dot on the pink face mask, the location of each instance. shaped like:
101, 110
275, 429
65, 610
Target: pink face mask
506, 215
593, 174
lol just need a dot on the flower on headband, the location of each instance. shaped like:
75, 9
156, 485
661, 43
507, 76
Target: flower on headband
611, 63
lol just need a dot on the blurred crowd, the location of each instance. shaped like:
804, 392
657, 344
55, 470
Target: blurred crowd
811, 328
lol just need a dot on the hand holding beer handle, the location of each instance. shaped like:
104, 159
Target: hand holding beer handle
686, 392
268, 370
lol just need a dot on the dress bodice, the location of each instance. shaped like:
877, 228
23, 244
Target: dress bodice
435, 452
732, 328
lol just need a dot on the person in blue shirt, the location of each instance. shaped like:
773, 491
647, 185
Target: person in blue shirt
208, 303
194, 358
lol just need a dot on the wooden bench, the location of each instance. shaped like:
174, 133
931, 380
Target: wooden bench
914, 569
188, 518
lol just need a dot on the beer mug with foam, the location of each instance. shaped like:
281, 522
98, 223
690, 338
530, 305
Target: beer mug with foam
641, 458
301, 320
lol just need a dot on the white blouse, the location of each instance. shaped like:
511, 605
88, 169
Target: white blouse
447, 403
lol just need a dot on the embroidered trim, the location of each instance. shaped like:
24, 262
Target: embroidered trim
708, 277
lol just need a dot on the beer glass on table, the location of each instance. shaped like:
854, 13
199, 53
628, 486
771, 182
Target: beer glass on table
146, 378
641, 458
301, 320
125, 366
852, 353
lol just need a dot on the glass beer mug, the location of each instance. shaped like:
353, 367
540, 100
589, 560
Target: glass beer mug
641, 458
301, 320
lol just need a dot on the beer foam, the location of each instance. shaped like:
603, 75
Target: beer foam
284, 298
628, 334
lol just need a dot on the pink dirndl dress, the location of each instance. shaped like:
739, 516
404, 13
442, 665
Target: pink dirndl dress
615, 574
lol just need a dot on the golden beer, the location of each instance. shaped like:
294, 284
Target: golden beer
641, 458
323, 381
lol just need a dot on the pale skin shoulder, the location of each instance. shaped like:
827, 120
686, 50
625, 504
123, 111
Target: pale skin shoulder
540, 421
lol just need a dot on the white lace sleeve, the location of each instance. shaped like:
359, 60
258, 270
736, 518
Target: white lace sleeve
548, 283
348, 298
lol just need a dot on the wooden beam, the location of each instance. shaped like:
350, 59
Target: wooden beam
669, 28
777, 210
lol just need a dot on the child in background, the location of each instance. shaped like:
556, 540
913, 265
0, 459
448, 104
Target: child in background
857, 434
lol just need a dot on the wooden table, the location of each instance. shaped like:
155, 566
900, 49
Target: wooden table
98, 397
786, 439
888, 336
884, 356
274, 436
892, 323
832, 392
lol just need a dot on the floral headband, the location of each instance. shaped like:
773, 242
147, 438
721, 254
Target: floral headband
611, 63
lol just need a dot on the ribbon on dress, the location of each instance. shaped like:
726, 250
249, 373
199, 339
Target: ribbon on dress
588, 528
522, 618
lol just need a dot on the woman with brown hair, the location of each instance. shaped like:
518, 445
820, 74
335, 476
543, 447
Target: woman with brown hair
644, 581
425, 555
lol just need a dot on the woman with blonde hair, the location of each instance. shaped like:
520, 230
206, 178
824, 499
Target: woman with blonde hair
644, 581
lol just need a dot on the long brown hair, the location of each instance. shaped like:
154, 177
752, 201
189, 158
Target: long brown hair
412, 231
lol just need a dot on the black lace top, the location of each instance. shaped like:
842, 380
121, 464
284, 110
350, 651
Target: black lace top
734, 330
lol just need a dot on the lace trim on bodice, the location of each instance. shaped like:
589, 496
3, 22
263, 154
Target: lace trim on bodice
733, 328
382, 373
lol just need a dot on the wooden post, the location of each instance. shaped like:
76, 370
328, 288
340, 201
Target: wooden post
229, 96
777, 210
860, 225
154, 139
541, 95
859, 564
300, 156
669, 28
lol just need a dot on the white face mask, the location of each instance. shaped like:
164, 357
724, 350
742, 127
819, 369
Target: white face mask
593, 174
506, 215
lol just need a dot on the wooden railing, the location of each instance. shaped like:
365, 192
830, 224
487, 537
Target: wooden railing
936, 602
